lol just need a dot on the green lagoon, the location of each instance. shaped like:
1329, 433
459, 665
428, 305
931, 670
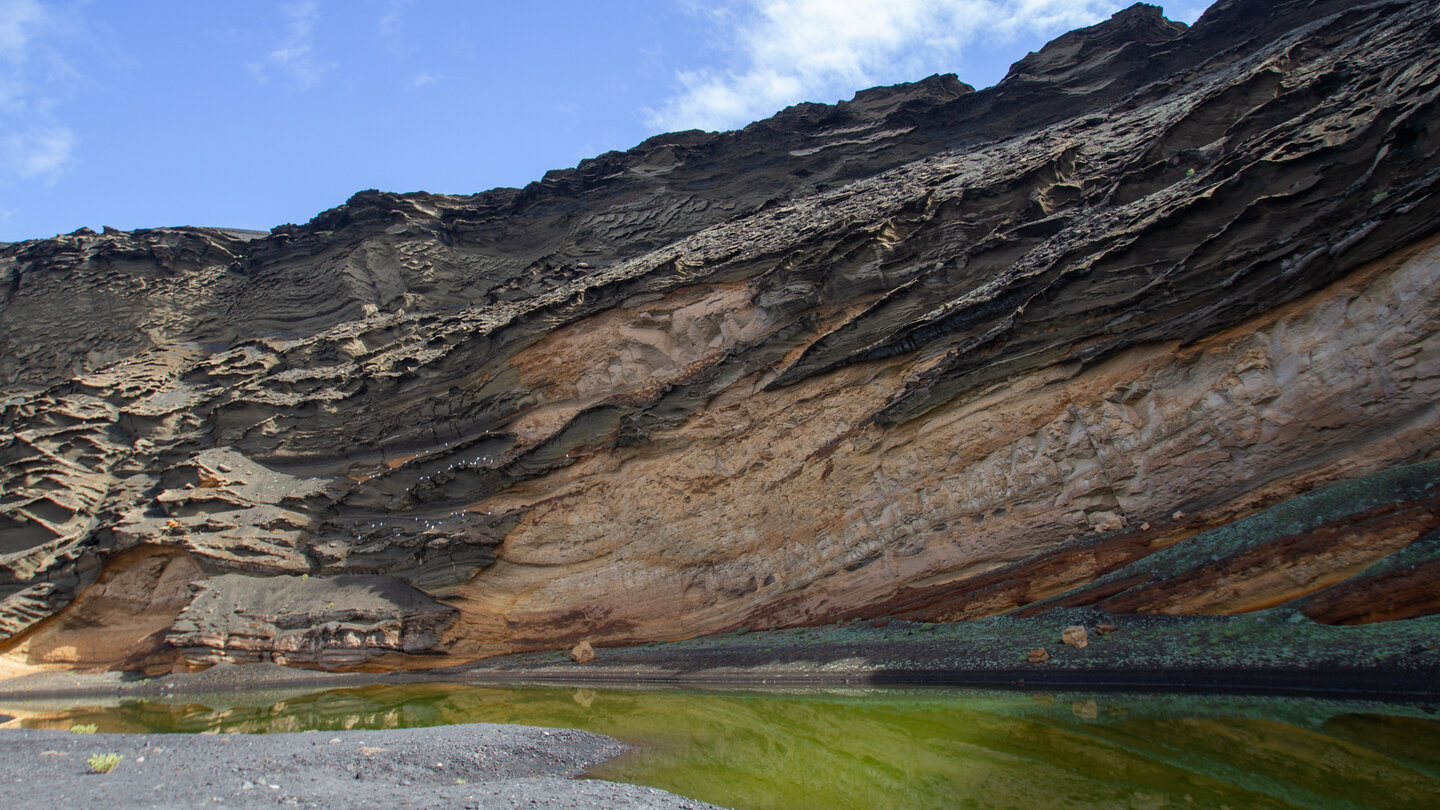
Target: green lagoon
897, 748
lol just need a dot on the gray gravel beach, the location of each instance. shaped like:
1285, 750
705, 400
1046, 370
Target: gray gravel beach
467, 766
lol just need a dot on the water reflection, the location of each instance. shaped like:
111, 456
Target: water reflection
908, 748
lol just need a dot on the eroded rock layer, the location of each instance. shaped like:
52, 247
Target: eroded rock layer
932, 351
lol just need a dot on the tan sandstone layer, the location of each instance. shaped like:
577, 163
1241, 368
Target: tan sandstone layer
778, 508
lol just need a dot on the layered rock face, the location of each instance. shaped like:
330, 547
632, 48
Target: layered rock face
931, 352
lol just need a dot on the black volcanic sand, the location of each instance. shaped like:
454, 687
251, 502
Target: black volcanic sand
469, 766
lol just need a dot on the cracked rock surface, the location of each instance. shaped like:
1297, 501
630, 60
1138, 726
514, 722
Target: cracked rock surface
850, 359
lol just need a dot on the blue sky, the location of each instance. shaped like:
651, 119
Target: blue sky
253, 113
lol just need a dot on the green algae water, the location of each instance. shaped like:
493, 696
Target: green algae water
900, 748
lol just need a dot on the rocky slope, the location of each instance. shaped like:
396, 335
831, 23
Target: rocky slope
932, 351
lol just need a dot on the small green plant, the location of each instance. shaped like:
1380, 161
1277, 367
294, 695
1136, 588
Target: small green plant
1189, 172
103, 763
84, 728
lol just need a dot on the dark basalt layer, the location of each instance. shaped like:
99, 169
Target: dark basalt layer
360, 395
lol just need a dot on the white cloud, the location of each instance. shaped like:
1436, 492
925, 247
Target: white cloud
39, 154
787, 51
18, 21
391, 25
34, 145
295, 56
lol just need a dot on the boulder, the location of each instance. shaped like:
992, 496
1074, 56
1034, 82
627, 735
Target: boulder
582, 653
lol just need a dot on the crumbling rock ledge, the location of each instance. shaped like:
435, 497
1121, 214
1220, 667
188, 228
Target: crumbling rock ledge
343, 622
932, 349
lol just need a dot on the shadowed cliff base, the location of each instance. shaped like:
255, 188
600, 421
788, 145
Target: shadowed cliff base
1271, 652
933, 354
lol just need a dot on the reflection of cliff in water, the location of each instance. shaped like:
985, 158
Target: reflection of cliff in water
910, 748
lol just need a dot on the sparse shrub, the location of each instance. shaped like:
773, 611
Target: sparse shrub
84, 728
103, 763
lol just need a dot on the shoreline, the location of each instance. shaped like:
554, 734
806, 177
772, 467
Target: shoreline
1339, 685
1412, 687
1396, 661
1270, 655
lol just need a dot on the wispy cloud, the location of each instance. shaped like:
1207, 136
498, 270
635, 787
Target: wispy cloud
35, 146
787, 51
41, 153
18, 21
294, 57
391, 25
425, 79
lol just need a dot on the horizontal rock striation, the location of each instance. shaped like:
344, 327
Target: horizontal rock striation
342, 622
933, 351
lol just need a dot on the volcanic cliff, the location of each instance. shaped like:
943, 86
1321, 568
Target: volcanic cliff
933, 352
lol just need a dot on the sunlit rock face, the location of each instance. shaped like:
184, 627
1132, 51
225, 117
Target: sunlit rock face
931, 352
